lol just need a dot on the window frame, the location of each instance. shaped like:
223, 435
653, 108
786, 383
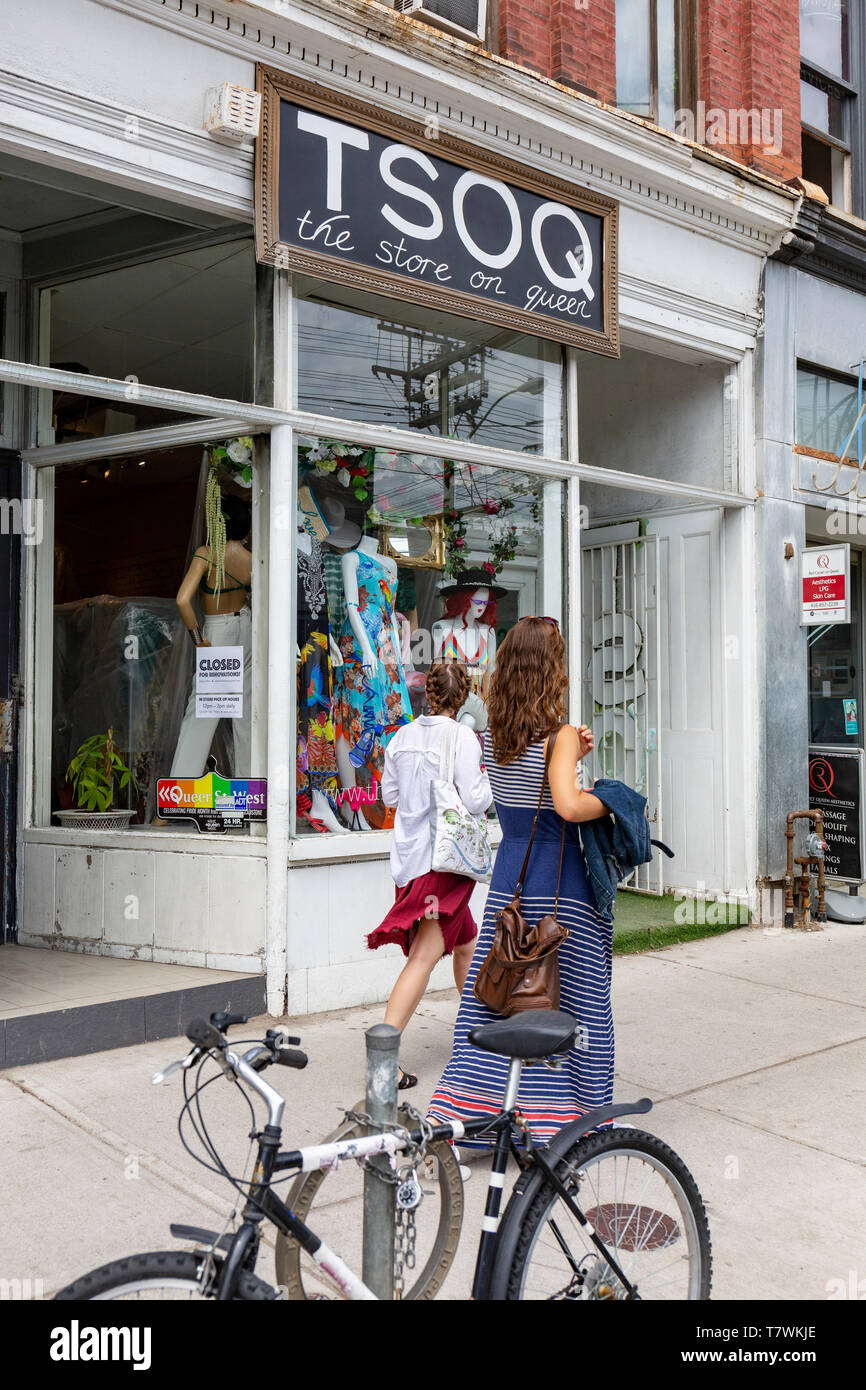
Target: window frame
687, 55
849, 91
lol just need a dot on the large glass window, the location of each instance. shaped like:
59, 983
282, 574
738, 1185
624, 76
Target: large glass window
365, 357
403, 559
826, 412
183, 321
141, 562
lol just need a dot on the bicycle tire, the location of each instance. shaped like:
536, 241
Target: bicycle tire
594, 1148
290, 1264
181, 1270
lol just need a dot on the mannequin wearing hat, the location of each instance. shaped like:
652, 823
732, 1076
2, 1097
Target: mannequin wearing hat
467, 633
372, 698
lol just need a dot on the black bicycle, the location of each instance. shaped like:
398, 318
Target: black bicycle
600, 1213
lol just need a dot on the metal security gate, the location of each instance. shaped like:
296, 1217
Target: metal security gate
620, 660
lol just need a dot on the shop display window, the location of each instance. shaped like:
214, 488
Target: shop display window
183, 321
365, 357
147, 547
403, 559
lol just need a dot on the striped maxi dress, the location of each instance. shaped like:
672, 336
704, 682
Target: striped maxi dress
473, 1082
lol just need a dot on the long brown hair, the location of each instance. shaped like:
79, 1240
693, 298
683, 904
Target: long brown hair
446, 686
527, 695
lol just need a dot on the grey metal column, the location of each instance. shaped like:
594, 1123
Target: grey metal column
377, 1267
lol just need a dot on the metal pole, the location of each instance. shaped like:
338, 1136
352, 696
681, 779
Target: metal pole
377, 1265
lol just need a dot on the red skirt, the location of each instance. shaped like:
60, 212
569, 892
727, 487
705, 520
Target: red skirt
443, 896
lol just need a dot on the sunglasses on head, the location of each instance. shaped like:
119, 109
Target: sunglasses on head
543, 619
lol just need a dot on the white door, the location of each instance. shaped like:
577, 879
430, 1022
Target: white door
691, 699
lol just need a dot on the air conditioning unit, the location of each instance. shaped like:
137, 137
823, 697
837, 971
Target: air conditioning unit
466, 18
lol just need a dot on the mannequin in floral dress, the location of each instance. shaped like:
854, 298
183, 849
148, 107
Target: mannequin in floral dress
372, 699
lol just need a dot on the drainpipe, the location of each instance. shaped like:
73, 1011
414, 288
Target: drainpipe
280, 722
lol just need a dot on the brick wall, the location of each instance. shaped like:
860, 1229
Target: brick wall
750, 63
747, 72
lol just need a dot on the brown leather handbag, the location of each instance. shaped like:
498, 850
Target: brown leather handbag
521, 971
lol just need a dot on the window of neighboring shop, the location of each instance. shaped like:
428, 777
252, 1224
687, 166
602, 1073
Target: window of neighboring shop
827, 97
365, 357
656, 53
137, 553
835, 668
404, 559
826, 412
183, 321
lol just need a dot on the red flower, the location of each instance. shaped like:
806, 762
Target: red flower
459, 542
491, 508
490, 568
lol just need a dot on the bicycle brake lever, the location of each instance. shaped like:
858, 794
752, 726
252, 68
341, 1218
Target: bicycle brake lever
172, 1067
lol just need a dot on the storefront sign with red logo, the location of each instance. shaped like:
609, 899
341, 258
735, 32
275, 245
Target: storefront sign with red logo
825, 585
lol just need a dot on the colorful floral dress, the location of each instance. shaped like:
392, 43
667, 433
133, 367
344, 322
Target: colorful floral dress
371, 704
317, 755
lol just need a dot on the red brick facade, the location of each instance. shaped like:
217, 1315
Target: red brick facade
748, 67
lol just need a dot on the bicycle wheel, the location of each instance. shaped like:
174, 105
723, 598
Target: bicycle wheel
642, 1202
159, 1275
335, 1212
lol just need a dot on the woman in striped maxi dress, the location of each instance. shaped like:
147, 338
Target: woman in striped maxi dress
526, 703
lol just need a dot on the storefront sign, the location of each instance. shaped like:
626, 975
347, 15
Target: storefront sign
219, 682
214, 802
825, 585
350, 194
836, 788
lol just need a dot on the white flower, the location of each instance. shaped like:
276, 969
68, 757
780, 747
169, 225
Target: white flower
238, 452
344, 477
317, 452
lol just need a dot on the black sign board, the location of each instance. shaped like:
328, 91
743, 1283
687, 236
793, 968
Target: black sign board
835, 787
350, 194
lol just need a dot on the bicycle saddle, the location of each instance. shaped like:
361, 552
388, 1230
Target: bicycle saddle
538, 1033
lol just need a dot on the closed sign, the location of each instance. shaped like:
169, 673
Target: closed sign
348, 194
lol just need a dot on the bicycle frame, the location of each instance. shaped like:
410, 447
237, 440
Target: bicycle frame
263, 1203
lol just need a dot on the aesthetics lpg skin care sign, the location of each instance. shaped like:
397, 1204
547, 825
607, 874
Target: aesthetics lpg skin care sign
219, 682
825, 585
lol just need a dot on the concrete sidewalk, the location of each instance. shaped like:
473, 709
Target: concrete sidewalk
752, 1045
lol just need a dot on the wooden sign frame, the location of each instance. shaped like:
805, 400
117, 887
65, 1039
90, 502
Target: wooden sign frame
277, 86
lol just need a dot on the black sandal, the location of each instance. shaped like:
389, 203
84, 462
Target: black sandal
407, 1080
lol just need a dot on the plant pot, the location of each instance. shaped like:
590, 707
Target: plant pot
95, 820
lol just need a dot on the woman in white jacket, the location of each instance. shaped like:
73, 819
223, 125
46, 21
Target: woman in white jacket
430, 917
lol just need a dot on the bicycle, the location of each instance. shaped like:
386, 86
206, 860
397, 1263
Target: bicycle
547, 1244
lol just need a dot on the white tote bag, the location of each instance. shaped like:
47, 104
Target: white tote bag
460, 843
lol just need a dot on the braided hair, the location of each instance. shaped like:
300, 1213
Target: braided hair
446, 687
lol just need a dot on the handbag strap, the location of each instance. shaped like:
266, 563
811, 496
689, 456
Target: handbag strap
519, 889
448, 753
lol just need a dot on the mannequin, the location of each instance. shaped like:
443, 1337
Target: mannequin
372, 695
467, 633
317, 655
227, 623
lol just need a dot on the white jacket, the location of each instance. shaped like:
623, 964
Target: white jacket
411, 763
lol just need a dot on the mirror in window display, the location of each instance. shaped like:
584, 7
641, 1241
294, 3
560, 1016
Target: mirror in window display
387, 585
429, 371
150, 551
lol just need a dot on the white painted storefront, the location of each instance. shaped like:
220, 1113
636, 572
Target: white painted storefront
107, 98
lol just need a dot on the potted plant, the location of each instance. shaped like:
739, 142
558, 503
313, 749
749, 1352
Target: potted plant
97, 773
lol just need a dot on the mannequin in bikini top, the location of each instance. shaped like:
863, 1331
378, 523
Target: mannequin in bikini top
201, 575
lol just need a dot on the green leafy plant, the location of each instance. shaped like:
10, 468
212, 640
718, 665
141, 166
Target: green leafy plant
97, 772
